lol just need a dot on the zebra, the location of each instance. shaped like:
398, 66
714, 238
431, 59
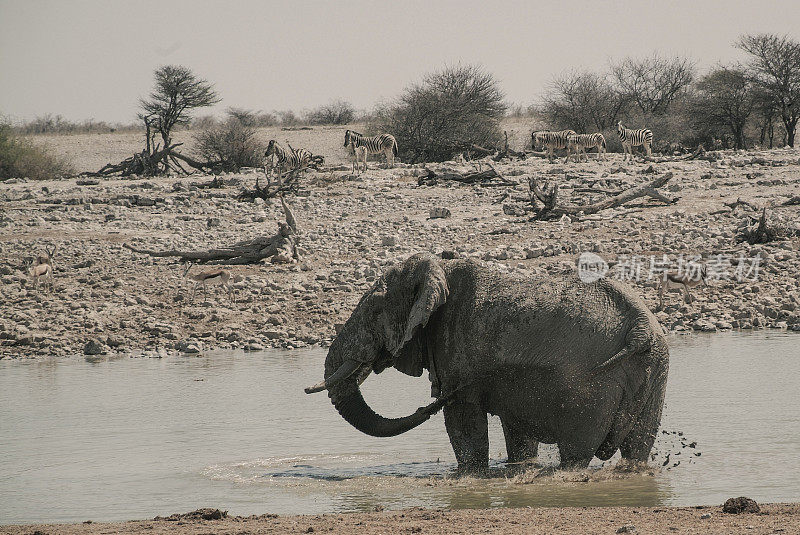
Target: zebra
287, 159
633, 138
359, 155
580, 142
551, 140
384, 143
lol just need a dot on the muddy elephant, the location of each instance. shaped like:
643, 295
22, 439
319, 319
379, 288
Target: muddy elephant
581, 365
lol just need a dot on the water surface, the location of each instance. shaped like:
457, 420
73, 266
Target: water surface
134, 438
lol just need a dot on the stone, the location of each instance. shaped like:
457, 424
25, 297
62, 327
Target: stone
93, 347
628, 528
739, 505
439, 213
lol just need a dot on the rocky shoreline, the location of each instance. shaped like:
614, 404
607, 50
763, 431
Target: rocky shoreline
110, 301
771, 518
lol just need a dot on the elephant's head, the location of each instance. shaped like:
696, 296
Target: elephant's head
383, 331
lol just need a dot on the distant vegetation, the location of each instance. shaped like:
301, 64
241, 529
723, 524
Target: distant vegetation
736, 105
447, 113
729, 106
19, 158
56, 124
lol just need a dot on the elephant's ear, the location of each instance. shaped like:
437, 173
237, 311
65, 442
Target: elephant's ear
430, 293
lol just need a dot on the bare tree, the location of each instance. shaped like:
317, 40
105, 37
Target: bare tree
775, 66
177, 92
654, 82
724, 99
583, 101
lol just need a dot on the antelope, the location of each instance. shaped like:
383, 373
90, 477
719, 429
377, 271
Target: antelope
681, 281
42, 268
214, 276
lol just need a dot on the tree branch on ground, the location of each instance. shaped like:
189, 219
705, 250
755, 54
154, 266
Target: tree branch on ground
547, 194
280, 248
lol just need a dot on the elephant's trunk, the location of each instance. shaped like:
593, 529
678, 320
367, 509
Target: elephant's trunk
357, 413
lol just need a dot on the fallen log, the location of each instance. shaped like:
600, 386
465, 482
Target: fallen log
488, 178
280, 247
548, 196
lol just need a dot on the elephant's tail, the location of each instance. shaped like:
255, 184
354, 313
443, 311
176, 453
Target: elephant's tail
640, 339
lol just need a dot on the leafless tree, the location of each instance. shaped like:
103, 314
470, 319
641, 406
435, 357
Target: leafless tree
775, 66
583, 101
724, 99
654, 82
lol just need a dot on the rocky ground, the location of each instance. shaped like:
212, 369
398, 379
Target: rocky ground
772, 519
108, 300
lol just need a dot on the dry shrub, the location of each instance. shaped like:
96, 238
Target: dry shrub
19, 158
444, 115
336, 112
232, 144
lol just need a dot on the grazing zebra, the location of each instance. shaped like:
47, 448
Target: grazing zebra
384, 143
551, 140
580, 142
287, 159
633, 138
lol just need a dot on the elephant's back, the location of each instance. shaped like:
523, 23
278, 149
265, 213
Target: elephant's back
549, 321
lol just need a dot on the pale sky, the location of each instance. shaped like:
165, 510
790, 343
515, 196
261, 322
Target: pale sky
94, 59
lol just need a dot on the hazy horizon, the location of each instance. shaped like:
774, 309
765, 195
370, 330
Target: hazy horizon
94, 60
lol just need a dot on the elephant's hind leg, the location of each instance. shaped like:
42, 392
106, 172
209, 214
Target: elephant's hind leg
521, 445
468, 428
637, 444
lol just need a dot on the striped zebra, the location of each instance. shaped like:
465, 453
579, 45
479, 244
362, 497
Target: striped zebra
550, 140
359, 155
384, 143
287, 160
633, 138
578, 143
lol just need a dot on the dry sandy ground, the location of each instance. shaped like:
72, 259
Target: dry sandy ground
353, 227
773, 519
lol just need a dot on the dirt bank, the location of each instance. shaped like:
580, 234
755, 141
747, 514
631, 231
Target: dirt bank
773, 518
352, 227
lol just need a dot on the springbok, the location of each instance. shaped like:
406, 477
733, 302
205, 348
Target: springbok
42, 268
681, 281
212, 276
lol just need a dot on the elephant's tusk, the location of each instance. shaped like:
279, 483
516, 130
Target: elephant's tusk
319, 387
344, 371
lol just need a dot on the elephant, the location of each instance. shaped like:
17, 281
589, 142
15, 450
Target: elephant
580, 364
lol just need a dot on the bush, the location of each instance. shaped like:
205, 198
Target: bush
20, 158
232, 143
444, 115
287, 118
337, 112
49, 124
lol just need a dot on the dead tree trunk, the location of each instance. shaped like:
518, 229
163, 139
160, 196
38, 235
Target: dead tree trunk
548, 196
281, 248
488, 178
